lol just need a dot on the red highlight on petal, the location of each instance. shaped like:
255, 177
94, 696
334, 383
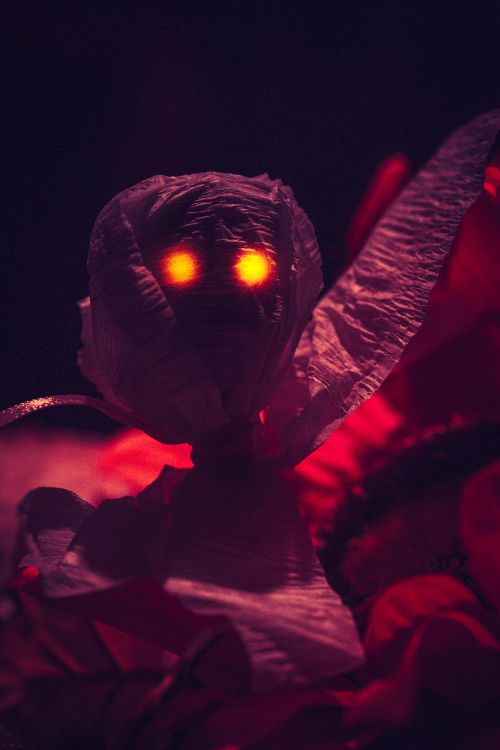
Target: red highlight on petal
385, 185
25, 577
492, 182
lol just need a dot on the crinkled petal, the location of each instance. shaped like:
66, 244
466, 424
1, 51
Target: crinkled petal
223, 547
360, 328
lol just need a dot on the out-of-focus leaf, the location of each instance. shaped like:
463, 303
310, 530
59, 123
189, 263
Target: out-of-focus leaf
386, 183
403, 607
65, 679
480, 528
144, 609
290, 720
428, 633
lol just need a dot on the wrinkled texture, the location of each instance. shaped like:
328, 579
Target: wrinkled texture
251, 561
160, 367
215, 555
360, 327
138, 695
262, 577
167, 355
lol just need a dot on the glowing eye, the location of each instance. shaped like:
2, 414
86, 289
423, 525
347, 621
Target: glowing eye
253, 267
181, 267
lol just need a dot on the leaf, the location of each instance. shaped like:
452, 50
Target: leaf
480, 528
428, 633
68, 682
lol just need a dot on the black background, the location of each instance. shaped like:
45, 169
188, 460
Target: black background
98, 98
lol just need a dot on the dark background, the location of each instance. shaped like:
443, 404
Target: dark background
96, 99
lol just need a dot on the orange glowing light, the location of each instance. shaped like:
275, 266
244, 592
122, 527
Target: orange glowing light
181, 267
253, 267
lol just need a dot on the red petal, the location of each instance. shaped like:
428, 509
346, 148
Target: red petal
480, 528
387, 181
138, 459
144, 609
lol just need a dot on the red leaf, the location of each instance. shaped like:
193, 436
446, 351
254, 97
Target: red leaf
428, 632
144, 609
480, 528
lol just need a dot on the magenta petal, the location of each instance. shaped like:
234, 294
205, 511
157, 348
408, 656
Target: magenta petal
360, 327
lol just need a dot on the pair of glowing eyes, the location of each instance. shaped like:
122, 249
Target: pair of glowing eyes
182, 267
